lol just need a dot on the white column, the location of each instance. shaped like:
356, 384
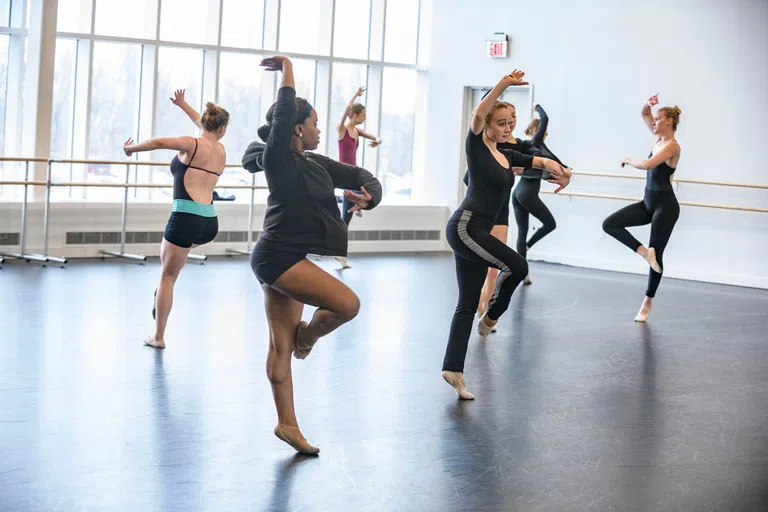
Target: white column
38, 86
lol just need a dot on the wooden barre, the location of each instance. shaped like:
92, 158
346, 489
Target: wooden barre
16, 159
609, 175
722, 183
682, 203
123, 162
121, 185
145, 185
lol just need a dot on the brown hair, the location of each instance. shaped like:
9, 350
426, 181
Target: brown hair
497, 106
672, 113
356, 109
214, 117
532, 128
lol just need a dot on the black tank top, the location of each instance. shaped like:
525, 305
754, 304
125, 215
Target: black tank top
658, 179
179, 170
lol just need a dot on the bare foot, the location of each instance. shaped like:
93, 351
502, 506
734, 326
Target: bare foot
154, 342
292, 436
456, 379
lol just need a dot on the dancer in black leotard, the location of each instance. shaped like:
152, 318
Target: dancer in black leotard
525, 198
659, 206
501, 225
196, 170
469, 229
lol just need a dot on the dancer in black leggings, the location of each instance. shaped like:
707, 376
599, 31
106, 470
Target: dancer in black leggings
659, 206
525, 198
469, 229
501, 225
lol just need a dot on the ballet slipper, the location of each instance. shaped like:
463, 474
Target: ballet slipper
642, 315
292, 436
343, 261
152, 342
527, 280
485, 325
650, 257
302, 347
456, 380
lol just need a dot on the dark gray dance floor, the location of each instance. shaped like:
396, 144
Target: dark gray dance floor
578, 408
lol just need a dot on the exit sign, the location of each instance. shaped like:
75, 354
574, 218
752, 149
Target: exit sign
496, 46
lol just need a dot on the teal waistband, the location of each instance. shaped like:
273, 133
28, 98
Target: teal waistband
195, 208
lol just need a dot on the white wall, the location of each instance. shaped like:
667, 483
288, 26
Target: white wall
593, 63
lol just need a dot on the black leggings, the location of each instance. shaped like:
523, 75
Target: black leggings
659, 209
475, 249
526, 200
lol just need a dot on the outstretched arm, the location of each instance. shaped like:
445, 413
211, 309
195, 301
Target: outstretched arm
646, 111
670, 150
345, 114
180, 144
485, 106
178, 100
369, 136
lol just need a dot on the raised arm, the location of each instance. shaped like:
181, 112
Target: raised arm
345, 114
646, 111
485, 106
178, 100
278, 142
670, 150
180, 144
538, 137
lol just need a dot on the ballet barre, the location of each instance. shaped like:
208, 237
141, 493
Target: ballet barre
682, 203
49, 184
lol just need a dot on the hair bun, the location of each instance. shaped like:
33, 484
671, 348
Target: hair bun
210, 106
677, 110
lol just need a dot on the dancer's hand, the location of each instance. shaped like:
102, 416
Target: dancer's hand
626, 161
562, 178
360, 200
275, 63
514, 78
375, 143
178, 98
653, 100
127, 145
360, 91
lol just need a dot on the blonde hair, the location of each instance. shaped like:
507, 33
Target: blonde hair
672, 113
214, 117
533, 126
497, 106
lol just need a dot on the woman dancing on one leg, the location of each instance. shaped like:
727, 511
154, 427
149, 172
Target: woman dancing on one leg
349, 133
659, 206
196, 170
525, 198
501, 225
469, 229
302, 217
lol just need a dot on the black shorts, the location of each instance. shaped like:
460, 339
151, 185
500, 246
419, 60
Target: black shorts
268, 264
188, 229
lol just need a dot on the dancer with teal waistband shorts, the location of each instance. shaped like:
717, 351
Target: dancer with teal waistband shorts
193, 222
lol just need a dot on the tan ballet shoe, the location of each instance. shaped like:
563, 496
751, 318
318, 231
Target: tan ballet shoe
456, 380
292, 436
